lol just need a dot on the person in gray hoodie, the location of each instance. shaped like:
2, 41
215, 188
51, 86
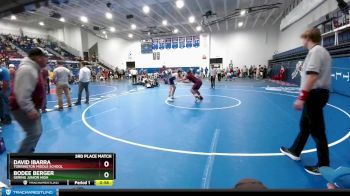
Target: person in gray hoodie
27, 98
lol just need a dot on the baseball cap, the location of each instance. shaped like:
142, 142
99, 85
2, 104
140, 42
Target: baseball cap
36, 52
339, 177
12, 66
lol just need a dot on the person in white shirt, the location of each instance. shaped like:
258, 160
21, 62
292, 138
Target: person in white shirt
62, 76
245, 71
213, 74
84, 80
134, 75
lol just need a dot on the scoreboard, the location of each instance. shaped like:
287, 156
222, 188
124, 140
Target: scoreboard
79, 169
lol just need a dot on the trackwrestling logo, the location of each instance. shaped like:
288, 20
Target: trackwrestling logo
10, 192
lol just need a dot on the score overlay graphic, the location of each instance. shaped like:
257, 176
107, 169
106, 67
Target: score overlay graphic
79, 169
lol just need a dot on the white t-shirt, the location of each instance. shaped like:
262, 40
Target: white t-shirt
62, 75
133, 72
84, 75
213, 72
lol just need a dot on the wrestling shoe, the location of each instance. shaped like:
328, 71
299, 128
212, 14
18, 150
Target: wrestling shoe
197, 99
170, 99
290, 154
201, 98
313, 170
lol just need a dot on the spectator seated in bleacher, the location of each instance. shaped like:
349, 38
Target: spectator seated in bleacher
27, 43
7, 50
281, 76
147, 80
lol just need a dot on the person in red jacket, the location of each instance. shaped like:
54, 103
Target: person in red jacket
197, 85
45, 75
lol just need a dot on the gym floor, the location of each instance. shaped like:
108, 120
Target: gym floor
235, 133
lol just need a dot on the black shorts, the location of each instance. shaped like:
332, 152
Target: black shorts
172, 81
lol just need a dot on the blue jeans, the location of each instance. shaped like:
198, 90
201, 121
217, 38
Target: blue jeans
83, 86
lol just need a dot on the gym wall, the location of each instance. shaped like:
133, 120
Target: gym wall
340, 74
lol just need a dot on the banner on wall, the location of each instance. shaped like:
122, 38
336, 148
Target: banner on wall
189, 41
155, 44
182, 42
196, 41
168, 43
146, 46
161, 44
175, 43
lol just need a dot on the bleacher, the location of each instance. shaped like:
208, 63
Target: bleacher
54, 46
27, 43
7, 51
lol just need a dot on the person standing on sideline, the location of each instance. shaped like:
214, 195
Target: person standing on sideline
219, 74
27, 98
45, 74
62, 77
134, 75
5, 91
84, 80
314, 95
47, 80
245, 72
206, 72
213, 73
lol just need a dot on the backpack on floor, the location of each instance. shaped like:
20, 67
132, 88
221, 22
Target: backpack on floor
2, 145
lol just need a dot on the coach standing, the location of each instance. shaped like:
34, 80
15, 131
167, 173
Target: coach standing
28, 97
84, 80
314, 95
62, 76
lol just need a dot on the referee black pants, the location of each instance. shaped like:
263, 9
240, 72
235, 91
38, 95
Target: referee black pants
134, 79
312, 123
212, 80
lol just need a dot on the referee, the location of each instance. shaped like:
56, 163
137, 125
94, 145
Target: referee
314, 95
